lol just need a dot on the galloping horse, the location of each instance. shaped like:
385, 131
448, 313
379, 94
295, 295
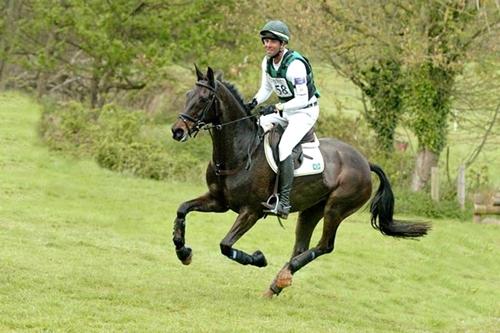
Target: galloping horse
239, 179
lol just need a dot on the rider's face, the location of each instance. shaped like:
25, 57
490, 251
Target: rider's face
271, 46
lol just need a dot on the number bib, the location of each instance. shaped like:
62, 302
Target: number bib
280, 87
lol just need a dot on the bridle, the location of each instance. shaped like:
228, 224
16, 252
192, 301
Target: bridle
201, 123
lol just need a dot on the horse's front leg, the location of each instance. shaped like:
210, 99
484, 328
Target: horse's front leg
245, 221
204, 203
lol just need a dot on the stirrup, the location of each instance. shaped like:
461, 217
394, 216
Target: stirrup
271, 205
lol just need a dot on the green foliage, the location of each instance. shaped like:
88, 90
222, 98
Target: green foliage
397, 165
122, 140
382, 84
68, 126
93, 50
353, 131
421, 204
90, 42
427, 100
478, 178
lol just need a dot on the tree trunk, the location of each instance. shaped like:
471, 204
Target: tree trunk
9, 13
2, 81
426, 159
94, 91
41, 83
43, 74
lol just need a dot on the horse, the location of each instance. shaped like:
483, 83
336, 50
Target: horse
239, 179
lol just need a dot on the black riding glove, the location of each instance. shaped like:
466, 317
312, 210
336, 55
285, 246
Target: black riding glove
250, 106
267, 110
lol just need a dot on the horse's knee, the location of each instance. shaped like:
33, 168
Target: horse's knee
181, 213
183, 209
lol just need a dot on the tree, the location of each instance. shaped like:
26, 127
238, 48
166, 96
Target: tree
445, 31
405, 56
10, 13
94, 49
351, 37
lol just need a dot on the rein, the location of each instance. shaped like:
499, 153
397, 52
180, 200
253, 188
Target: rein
208, 127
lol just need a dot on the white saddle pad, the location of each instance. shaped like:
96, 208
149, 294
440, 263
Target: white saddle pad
312, 163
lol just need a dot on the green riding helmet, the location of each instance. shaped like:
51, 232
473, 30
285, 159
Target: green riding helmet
275, 30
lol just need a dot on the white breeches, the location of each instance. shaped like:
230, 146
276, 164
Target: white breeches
296, 123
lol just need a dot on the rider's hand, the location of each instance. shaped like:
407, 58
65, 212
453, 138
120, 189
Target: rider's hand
267, 110
250, 106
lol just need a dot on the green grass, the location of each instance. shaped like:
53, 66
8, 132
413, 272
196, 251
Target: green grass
87, 250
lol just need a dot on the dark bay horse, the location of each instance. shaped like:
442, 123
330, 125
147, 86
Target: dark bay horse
239, 179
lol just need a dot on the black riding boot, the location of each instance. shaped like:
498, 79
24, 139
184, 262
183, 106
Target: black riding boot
282, 208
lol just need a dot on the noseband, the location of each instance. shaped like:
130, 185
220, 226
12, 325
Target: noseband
201, 122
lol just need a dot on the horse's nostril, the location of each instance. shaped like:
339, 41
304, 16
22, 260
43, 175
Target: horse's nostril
178, 134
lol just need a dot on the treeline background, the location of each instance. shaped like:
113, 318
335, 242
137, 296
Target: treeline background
411, 84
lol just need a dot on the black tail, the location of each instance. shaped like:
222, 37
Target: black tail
382, 209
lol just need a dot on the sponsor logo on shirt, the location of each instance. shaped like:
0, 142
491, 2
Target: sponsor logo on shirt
299, 80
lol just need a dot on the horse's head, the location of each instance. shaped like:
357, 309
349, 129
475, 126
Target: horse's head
200, 107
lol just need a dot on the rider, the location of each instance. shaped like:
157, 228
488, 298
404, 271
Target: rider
290, 76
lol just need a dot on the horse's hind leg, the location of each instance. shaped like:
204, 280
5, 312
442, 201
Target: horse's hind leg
334, 215
306, 223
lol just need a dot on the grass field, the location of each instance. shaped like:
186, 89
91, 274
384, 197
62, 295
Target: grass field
83, 249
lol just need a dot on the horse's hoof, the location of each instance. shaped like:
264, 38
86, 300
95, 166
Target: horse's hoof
185, 255
284, 279
259, 259
268, 294
187, 261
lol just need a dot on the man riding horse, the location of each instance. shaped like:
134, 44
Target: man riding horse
239, 176
290, 76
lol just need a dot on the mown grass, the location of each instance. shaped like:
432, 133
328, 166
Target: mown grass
87, 250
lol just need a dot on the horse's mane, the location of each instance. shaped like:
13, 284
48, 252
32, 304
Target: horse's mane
234, 91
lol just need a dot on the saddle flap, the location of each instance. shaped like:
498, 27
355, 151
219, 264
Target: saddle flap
306, 156
274, 139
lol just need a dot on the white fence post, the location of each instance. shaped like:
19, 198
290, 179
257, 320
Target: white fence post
435, 183
461, 186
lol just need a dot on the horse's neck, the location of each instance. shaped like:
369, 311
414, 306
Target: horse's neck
231, 141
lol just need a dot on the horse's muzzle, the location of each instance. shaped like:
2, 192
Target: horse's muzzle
179, 134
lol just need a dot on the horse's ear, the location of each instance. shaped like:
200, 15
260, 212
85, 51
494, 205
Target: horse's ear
199, 74
210, 77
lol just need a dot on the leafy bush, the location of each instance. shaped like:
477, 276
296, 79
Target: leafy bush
421, 204
352, 131
68, 126
355, 131
123, 141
